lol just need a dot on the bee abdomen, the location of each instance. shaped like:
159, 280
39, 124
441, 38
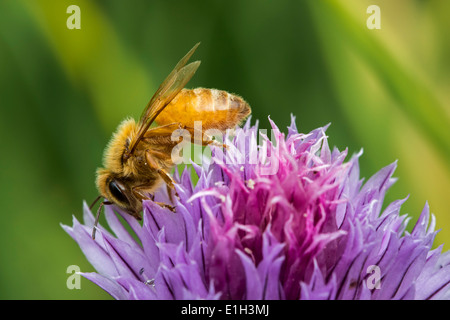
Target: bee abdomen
216, 109
217, 100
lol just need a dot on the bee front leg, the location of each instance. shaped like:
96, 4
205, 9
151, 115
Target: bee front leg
154, 166
139, 192
169, 181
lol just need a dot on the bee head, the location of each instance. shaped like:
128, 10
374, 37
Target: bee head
118, 191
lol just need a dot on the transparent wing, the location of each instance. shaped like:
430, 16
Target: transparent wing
167, 83
170, 87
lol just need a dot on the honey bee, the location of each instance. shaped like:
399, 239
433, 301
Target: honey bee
137, 160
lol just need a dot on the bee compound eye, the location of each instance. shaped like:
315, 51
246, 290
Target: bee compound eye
117, 191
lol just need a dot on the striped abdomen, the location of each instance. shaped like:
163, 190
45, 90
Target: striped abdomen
216, 109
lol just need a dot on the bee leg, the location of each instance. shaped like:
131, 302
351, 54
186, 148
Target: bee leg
206, 138
169, 192
167, 178
165, 205
162, 173
168, 129
139, 193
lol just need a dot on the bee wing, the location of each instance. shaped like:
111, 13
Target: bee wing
170, 87
167, 83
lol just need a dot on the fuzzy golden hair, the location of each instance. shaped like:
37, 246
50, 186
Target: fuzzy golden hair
112, 157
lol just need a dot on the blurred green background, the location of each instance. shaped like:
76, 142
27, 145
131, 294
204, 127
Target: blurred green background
62, 93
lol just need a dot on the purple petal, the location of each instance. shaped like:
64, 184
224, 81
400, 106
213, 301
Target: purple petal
110, 285
158, 217
96, 254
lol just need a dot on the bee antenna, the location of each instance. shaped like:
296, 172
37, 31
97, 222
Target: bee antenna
97, 216
95, 201
94, 229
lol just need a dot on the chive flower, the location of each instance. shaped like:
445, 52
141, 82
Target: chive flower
287, 218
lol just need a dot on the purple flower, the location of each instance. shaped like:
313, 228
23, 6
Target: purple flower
285, 219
